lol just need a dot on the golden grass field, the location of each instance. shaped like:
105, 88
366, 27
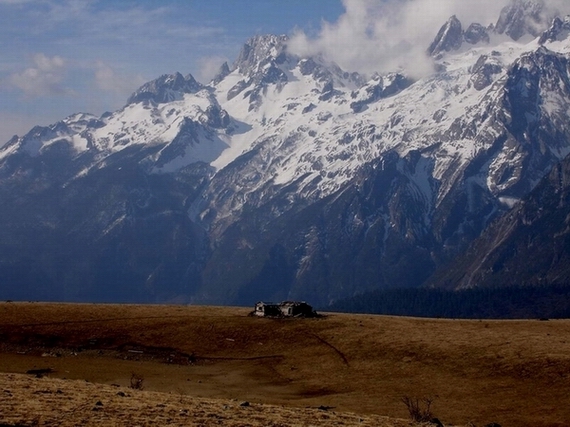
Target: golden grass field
199, 363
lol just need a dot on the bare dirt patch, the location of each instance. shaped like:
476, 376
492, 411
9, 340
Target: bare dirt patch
515, 373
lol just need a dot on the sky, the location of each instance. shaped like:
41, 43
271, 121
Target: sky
59, 57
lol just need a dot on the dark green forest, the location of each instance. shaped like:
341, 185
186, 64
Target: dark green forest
536, 302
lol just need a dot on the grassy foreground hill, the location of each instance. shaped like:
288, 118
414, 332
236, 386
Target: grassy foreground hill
55, 402
515, 373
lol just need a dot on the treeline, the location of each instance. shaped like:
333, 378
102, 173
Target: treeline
534, 302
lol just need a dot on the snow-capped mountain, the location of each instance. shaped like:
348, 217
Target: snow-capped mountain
286, 176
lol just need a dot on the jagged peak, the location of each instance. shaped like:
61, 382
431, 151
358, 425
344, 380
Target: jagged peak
518, 19
326, 71
522, 17
265, 59
449, 37
166, 88
476, 33
533, 60
79, 117
453, 20
222, 73
540, 52
259, 49
262, 61
559, 30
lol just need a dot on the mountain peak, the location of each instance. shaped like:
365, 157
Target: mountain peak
260, 64
522, 17
559, 30
166, 88
449, 37
476, 33
223, 72
518, 19
258, 50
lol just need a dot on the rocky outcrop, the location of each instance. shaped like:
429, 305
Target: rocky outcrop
167, 88
377, 88
449, 37
559, 30
526, 246
522, 17
485, 71
475, 34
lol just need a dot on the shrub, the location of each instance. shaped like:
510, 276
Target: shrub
419, 409
137, 381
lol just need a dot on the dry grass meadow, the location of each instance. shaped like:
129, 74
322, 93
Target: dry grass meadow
198, 364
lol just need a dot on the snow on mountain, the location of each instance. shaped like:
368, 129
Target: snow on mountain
291, 105
286, 110
71, 130
194, 126
166, 88
292, 128
559, 31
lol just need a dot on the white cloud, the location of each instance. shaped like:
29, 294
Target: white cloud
560, 7
388, 35
209, 67
44, 78
110, 80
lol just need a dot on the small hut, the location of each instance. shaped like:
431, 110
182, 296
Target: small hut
267, 309
284, 309
296, 308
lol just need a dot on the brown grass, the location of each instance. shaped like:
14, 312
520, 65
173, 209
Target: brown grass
29, 401
516, 373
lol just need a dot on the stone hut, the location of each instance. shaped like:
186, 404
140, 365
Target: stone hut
267, 309
284, 309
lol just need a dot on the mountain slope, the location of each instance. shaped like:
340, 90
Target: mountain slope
529, 245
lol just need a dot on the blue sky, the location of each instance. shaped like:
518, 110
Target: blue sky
58, 57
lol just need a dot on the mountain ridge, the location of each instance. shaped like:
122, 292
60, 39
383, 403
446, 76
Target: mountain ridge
287, 177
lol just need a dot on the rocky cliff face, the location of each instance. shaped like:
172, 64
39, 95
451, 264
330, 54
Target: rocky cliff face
522, 17
284, 178
166, 88
529, 245
449, 38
